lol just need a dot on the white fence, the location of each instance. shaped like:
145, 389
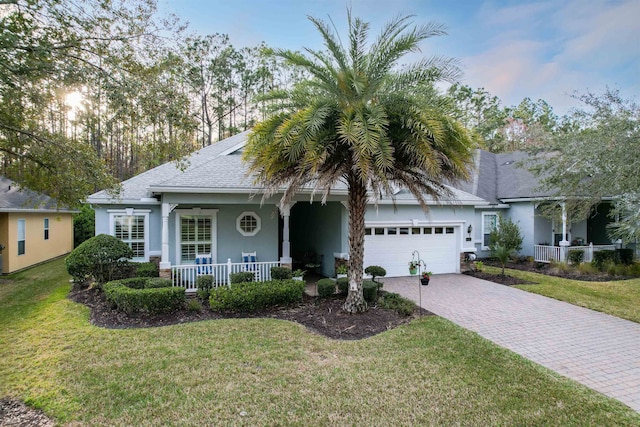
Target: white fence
186, 275
543, 253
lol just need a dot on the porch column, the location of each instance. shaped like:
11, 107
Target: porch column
286, 260
564, 243
165, 264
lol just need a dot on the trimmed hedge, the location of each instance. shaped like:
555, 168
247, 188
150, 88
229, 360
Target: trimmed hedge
326, 288
343, 285
99, 257
370, 290
624, 256
600, 258
146, 269
576, 256
242, 277
144, 295
204, 284
281, 273
252, 296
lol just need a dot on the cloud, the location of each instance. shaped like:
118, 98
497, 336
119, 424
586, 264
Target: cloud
533, 50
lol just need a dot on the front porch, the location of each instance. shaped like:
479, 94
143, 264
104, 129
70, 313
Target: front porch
186, 275
548, 254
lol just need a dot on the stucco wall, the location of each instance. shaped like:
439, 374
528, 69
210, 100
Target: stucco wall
37, 249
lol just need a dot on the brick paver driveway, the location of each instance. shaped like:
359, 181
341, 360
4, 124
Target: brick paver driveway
595, 349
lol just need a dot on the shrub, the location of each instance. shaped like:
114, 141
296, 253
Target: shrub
84, 225
281, 273
479, 265
576, 256
587, 268
242, 277
126, 296
505, 240
343, 285
624, 256
634, 269
400, 305
158, 282
375, 271
370, 291
600, 258
194, 306
248, 297
204, 284
326, 288
146, 269
97, 258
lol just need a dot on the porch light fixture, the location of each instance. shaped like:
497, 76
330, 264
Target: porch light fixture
469, 229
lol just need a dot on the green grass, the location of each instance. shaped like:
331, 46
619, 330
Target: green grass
620, 298
429, 372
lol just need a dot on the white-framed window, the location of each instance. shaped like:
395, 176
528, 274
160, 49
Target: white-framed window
195, 234
22, 236
46, 229
248, 223
489, 223
132, 227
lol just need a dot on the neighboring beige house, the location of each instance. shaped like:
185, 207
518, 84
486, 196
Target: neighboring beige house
33, 228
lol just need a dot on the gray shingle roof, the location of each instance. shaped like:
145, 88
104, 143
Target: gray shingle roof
13, 198
214, 168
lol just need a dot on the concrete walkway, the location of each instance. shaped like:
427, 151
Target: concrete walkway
595, 349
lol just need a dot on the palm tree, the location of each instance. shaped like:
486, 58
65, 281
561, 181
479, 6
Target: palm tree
362, 121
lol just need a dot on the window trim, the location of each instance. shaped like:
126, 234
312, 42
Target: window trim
24, 236
484, 231
258, 223
213, 213
132, 212
46, 228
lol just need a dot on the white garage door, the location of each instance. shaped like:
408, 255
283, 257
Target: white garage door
391, 247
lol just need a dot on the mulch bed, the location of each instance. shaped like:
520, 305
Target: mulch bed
498, 278
15, 413
550, 270
323, 316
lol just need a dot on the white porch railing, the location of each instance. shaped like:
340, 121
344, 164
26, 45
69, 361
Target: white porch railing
186, 275
542, 253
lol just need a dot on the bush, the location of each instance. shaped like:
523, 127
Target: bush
249, 297
397, 303
624, 256
97, 258
600, 258
343, 285
370, 291
375, 271
158, 282
587, 268
326, 288
281, 273
194, 306
146, 269
126, 296
204, 284
505, 241
576, 256
84, 225
243, 277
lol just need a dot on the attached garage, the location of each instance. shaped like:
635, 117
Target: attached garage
391, 246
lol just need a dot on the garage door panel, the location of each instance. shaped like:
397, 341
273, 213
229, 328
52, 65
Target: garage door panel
394, 251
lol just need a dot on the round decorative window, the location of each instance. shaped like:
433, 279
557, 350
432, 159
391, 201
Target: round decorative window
248, 223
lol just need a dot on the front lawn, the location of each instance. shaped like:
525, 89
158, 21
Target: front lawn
270, 372
620, 298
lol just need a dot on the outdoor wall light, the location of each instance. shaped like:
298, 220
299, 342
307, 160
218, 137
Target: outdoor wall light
469, 230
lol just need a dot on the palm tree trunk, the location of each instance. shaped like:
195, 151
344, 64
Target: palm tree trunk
355, 302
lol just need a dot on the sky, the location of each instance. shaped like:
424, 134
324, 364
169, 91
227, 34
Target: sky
513, 49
